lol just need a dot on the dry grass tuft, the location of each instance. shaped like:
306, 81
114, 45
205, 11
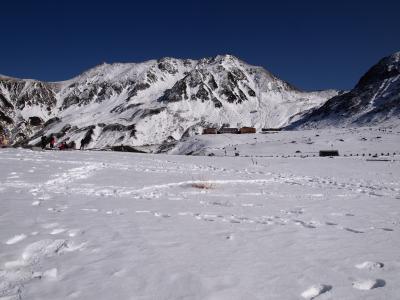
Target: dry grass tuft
203, 185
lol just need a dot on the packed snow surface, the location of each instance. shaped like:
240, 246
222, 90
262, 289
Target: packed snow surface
362, 141
106, 225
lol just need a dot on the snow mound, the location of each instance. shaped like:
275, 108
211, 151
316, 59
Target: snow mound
368, 284
315, 290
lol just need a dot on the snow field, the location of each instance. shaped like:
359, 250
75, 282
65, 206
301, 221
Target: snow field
364, 142
182, 227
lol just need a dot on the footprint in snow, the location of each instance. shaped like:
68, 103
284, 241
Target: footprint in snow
36, 251
119, 273
49, 225
44, 197
309, 225
50, 275
74, 295
351, 230
15, 239
57, 231
387, 229
43, 248
338, 214
157, 214
143, 211
75, 232
16, 273
114, 212
57, 210
230, 237
368, 284
330, 224
369, 265
90, 209
316, 290
184, 213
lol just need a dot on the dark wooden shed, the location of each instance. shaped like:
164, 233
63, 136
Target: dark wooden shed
270, 129
247, 130
328, 153
209, 131
228, 130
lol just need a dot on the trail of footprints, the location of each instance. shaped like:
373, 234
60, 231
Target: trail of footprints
27, 267
289, 217
313, 291
360, 284
59, 180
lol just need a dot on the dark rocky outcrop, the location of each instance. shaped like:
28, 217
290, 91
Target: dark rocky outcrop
374, 99
176, 93
35, 121
6, 119
125, 148
120, 128
167, 65
52, 121
122, 107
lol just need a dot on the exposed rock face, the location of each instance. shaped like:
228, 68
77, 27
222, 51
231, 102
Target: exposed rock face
375, 99
35, 121
24, 105
150, 103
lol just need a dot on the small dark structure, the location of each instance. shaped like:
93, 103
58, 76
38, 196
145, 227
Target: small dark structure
209, 131
270, 129
35, 121
228, 130
328, 153
247, 130
125, 148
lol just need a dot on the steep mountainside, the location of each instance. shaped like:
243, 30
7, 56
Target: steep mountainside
374, 100
152, 102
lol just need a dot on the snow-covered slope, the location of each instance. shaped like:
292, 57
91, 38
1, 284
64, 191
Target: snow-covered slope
361, 141
152, 102
374, 100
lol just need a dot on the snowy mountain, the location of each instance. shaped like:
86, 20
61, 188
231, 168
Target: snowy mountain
374, 100
151, 103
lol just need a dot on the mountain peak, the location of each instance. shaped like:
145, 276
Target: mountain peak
226, 57
375, 99
148, 103
387, 67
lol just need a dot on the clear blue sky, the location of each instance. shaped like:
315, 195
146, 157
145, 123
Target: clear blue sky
312, 44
